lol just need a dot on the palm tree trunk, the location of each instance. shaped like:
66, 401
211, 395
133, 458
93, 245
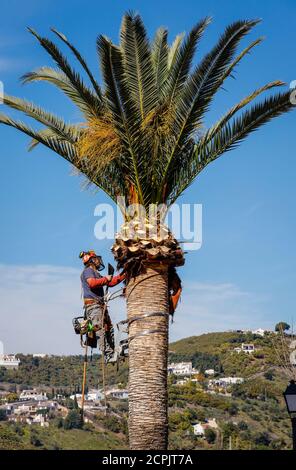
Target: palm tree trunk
148, 420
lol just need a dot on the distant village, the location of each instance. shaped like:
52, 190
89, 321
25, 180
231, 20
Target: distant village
34, 407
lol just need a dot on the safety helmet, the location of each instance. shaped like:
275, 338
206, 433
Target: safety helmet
86, 256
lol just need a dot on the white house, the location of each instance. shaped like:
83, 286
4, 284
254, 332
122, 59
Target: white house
94, 395
182, 368
259, 332
77, 395
182, 381
33, 395
198, 430
120, 393
209, 372
225, 381
9, 361
246, 348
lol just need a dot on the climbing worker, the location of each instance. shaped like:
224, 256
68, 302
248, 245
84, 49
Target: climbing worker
93, 296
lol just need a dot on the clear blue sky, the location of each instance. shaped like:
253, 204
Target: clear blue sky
244, 274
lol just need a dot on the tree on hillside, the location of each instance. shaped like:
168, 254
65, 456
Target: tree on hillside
143, 138
282, 326
73, 420
210, 435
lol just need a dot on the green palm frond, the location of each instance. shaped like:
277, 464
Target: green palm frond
81, 60
240, 56
181, 64
159, 55
201, 86
56, 124
208, 75
224, 137
61, 81
231, 134
137, 63
123, 110
91, 99
174, 49
62, 147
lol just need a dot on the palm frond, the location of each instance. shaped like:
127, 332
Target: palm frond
81, 60
240, 56
56, 124
91, 99
62, 147
208, 75
201, 86
125, 116
137, 63
61, 81
159, 55
226, 138
174, 50
181, 64
237, 107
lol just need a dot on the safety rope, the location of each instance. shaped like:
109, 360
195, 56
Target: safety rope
139, 282
143, 317
103, 358
84, 380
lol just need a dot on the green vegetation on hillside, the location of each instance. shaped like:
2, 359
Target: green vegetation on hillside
250, 415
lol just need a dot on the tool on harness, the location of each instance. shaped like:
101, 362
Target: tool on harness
85, 327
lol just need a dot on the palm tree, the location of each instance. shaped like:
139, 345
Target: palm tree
143, 138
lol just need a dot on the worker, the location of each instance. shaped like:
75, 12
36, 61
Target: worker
93, 296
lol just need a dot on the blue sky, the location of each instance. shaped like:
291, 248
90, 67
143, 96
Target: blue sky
244, 274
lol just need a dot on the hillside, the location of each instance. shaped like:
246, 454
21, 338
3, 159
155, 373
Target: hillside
216, 350
16, 437
249, 415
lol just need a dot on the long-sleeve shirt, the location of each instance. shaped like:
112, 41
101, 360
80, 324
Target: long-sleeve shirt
92, 283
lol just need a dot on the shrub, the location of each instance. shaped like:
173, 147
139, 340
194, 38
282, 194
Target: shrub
210, 435
73, 420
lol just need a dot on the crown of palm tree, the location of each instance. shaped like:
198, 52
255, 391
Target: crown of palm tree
143, 135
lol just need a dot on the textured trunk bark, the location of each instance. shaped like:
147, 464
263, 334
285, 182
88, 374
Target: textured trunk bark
148, 420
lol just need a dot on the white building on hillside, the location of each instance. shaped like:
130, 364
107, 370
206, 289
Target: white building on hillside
182, 368
9, 361
200, 428
246, 348
33, 395
259, 332
94, 395
209, 372
120, 393
225, 381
